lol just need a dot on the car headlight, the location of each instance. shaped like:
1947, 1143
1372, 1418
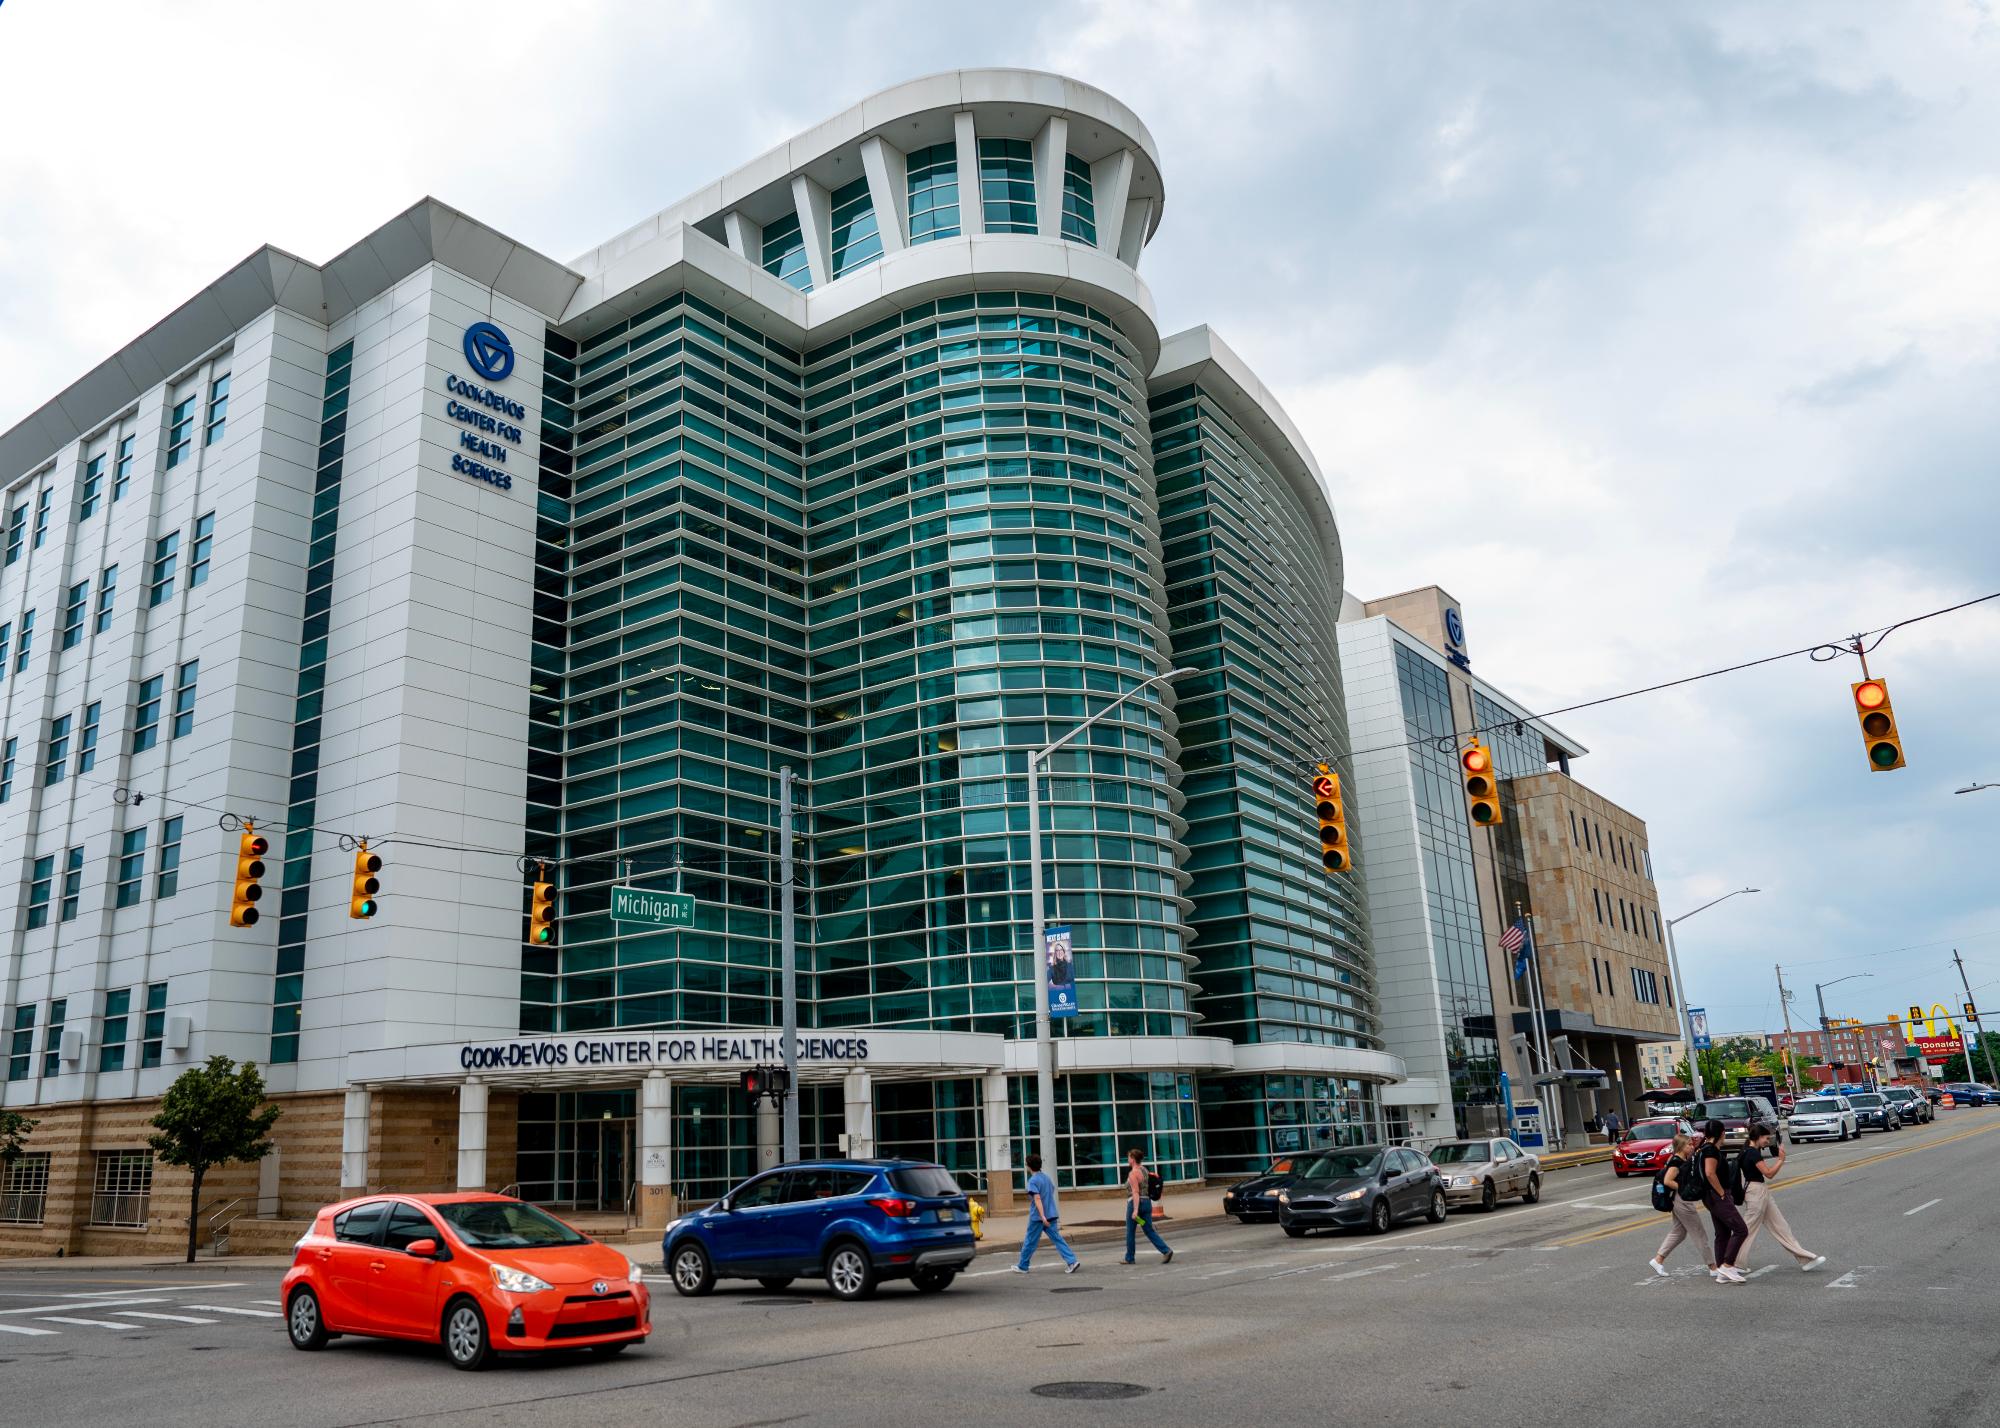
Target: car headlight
1284, 1197
672, 1225
1461, 1181
637, 1271
517, 1281
1351, 1195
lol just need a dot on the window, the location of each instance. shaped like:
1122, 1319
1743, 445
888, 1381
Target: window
1596, 905
17, 531
155, 1034
360, 1224
27, 640
52, 1037
92, 491
856, 238
1007, 185
1610, 980
117, 1016
86, 748
1597, 973
204, 542
184, 697
218, 409
164, 555
407, 1225
168, 866
39, 888
74, 607
122, 1188
1624, 914
72, 893
1573, 839
24, 1189
42, 515
785, 253
58, 759
180, 432
6, 638
933, 178
121, 474
1079, 210
107, 593
131, 867
7, 769
1658, 936
146, 724
21, 1045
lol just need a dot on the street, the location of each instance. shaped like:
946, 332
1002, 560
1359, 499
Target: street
1520, 1315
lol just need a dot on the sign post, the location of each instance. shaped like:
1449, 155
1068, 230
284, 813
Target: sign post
651, 909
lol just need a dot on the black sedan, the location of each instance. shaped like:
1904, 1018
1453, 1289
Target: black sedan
1875, 1112
1368, 1185
1257, 1197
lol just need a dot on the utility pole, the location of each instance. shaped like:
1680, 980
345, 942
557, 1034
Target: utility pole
1977, 1026
1791, 1050
788, 964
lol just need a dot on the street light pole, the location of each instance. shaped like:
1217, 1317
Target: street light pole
1680, 987
1045, 1077
1826, 1026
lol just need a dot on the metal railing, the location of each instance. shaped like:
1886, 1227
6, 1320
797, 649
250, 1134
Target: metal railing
220, 1221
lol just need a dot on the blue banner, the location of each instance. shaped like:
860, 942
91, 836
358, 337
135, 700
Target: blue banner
1062, 972
1698, 1028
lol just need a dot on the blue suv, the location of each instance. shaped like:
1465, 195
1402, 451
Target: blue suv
854, 1223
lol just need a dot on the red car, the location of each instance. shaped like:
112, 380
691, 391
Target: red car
480, 1274
1646, 1146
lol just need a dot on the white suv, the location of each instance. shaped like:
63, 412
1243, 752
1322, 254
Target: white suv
1828, 1117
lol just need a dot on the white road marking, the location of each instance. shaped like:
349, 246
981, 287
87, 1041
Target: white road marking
168, 1318
225, 1309
86, 1323
274, 1303
1925, 1206
1760, 1271
1846, 1281
24, 1329
1360, 1273
93, 1304
199, 1288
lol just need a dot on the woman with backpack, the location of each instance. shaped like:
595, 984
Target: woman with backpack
1720, 1189
1759, 1165
1670, 1192
1140, 1187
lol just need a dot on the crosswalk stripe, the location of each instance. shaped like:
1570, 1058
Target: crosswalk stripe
168, 1318
225, 1309
93, 1304
274, 1303
87, 1323
24, 1329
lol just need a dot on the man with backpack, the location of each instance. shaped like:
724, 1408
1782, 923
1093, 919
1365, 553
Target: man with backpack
1720, 1189
1142, 1189
1676, 1191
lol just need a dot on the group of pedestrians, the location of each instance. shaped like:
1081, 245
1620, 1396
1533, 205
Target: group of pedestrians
1736, 1191
1045, 1214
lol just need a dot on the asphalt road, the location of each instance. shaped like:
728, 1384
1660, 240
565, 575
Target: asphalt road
1521, 1315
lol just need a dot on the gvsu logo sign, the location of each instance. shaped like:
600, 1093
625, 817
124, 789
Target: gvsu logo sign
489, 351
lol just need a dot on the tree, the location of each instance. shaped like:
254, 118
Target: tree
212, 1115
14, 1129
1955, 1068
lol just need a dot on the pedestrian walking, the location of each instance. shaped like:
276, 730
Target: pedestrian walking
1687, 1225
1720, 1192
1044, 1218
1139, 1209
1759, 1164
1612, 1125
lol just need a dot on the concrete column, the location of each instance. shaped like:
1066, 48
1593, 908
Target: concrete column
472, 1134
745, 239
999, 1146
815, 209
1132, 240
1110, 191
971, 212
888, 191
656, 1151
1632, 1078
1051, 149
354, 1142
770, 1135
858, 1094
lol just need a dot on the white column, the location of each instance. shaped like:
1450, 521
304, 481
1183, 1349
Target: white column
971, 212
815, 208
1110, 190
656, 1151
354, 1141
472, 1134
858, 1094
999, 1144
1138, 216
745, 239
1051, 148
769, 1137
888, 190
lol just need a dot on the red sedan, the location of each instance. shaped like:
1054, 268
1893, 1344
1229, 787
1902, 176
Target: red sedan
1647, 1145
480, 1274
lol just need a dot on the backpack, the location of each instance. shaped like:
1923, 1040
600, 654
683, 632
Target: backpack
1155, 1187
1694, 1184
1663, 1194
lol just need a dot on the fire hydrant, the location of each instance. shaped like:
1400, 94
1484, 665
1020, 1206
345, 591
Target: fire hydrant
978, 1213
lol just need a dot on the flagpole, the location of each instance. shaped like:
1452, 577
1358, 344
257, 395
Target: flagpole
1553, 1096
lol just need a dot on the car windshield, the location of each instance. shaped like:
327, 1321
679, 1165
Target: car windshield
932, 1181
1868, 1100
1901, 1093
1280, 1167
1461, 1152
1344, 1166
1730, 1110
1817, 1108
1653, 1130
506, 1224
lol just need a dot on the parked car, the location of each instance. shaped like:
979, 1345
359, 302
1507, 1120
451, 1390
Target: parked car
1366, 1185
1873, 1111
1972, 1093
1485, 1172
1737, 1114
1257, 1197
1824, 1117
1910, 1104
479, 1274
853, 1223
1647, 1145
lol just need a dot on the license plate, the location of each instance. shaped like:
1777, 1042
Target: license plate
947, 1215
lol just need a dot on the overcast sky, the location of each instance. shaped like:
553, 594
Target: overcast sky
1664, 337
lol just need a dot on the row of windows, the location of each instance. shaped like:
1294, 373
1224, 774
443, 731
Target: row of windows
132, 864
1617, 849
114, 1046
1631, 916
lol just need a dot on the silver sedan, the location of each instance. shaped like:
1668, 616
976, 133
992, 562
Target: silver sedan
1485, 1172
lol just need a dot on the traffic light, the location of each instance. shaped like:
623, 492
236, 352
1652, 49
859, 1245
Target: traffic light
753, 1083
1482, 785
1334, 852
1878, 726
1916, 1014
366, 884
250, 851
1971, 1012
542, 910
769, 1081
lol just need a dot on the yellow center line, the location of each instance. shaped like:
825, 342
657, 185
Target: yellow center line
1628, 1226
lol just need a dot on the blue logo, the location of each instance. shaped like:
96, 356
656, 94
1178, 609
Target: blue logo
1454, 628
489, 351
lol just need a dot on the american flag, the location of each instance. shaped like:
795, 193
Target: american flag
1514, 941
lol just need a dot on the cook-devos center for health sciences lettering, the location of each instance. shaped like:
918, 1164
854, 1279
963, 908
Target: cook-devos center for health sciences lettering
660, 1051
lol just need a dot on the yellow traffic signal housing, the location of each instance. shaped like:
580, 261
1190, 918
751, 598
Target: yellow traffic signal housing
1878, 726
1482, 784
250, 851
366, 865
1334, 852
542, 911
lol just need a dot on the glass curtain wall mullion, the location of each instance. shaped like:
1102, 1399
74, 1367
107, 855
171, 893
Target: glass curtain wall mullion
856, 238
1079, 206
933, 193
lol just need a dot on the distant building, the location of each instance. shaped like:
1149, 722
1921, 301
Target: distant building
1657, 1060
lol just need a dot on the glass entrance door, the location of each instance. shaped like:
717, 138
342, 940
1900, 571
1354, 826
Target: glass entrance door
603, 1175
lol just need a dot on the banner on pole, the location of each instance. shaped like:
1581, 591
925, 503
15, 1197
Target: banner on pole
1062, 972
1698, 1028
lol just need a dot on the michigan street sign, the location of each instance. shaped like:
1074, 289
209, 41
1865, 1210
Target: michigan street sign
652, 909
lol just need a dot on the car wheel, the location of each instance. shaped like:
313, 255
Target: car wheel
1533, 1193
303, 1323
933, 1281
693, 1274
1379, 1218
775, 1282
1488, 1197
1437, 1211
465, 1339
1621, 1174
849, 1272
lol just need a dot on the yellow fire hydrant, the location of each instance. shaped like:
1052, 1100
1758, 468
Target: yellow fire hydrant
978, 1213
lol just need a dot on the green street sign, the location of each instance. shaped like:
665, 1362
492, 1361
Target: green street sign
652, 909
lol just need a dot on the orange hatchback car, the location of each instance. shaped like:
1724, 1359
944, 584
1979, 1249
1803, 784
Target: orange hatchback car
480, 1274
